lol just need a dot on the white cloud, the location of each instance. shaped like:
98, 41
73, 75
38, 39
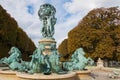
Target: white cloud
63, 28
108, 3
75, 6
78, 5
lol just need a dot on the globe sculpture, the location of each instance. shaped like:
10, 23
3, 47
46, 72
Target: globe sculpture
46, 58
47, 16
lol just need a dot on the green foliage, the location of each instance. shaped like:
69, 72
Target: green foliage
12, 35
63, 49
98, 33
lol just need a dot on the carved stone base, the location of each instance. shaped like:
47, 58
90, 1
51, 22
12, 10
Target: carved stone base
47, 45
47, 40
7, 71
53, 76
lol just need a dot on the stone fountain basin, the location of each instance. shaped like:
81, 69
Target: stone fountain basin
6, 74
53, 76
7, 71
84, 75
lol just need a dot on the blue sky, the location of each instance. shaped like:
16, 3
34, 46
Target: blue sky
30, 9
69, 13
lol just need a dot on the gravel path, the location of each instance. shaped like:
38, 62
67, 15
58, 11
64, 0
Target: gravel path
101, 75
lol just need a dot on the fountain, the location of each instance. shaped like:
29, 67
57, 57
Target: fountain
45, 62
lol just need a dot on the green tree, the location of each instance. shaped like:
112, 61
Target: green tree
12, 35
98, 34
63, 49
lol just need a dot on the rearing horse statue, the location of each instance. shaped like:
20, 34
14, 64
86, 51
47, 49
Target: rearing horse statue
77, 61
13, 60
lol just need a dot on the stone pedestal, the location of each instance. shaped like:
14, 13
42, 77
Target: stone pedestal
47, 45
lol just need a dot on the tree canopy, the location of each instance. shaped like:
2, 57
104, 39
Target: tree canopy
98, 34
12, 35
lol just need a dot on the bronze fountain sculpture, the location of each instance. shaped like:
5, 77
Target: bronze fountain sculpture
46, 58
